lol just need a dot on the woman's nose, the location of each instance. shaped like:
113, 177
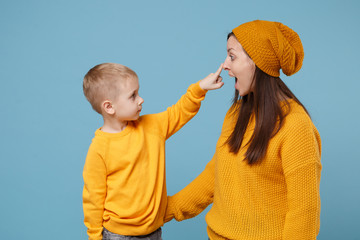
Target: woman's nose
226, 64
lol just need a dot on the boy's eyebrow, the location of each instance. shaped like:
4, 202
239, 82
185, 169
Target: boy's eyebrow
133, 92
230, 49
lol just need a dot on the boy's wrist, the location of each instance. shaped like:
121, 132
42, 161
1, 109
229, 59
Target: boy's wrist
199, 88
201, 84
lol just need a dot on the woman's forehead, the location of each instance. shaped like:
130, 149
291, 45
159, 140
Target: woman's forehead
233, 44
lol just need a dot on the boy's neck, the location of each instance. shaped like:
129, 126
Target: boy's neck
113, 125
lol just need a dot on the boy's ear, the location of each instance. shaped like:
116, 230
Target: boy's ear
107, 107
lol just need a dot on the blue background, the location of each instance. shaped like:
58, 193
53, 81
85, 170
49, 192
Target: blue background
46, 47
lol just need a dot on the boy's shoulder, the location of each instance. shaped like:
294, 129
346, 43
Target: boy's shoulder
98, 146
153, 123
99, 140
153, 118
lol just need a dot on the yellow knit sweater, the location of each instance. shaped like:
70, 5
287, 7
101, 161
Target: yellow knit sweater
124, 173
277, 199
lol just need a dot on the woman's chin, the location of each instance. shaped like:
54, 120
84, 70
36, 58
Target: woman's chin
242, 93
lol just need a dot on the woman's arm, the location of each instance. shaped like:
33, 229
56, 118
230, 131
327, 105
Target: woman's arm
194, 198
301, 155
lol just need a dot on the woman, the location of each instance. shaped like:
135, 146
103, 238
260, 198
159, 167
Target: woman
264, 177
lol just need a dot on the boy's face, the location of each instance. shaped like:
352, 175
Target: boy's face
128, 103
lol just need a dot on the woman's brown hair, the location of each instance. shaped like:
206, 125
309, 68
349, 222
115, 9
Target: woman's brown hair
268, 103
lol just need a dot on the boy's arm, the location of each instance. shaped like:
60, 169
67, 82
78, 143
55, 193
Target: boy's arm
194, 198
189, 104
94, 193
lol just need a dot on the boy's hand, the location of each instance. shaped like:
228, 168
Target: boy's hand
213, 80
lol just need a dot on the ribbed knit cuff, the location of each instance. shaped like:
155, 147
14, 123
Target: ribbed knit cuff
169, 214
198, 91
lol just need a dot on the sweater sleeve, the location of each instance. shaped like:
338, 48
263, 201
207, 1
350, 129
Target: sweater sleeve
183, 111
194, 198
94, 192
300, 155
199, 194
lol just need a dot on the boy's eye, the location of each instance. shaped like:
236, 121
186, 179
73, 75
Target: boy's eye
231, 57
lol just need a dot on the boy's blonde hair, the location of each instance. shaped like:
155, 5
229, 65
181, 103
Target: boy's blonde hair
100, 83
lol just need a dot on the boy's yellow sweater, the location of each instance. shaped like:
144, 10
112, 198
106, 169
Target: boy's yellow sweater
124, 173
276, 199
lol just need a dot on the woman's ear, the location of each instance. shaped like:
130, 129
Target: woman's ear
107, 107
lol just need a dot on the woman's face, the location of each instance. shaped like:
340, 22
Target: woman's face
240, 66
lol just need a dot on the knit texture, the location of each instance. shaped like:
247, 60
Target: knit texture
124, 173
271, 45
276, 199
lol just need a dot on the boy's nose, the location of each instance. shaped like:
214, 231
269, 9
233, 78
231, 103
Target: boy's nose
141, 101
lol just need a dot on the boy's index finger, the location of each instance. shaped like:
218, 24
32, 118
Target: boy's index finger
219, 70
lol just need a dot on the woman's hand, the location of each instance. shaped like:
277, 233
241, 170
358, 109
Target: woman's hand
213, 80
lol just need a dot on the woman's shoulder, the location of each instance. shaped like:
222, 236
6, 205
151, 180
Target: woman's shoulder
297, 118
296, 112
233, 110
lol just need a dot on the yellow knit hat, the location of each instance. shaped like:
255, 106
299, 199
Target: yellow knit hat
271, 45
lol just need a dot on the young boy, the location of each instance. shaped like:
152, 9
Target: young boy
124, 173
